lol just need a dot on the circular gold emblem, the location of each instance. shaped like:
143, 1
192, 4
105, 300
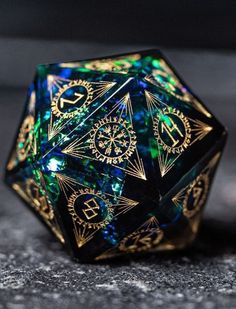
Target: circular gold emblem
172, 130
112, 140
25, 138
196, 195
141, 240
90, 208
71, 98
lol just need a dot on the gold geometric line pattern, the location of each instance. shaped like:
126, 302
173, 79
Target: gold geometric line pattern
110, 253
142, 239
40, 205
54, 128
79, 148
82, 235
67, 183
186, 95
121, 206
180, 197
153, 102
100, 88
136, 168
26, 138
125, 105
84, 231
119, 64
200, 129
90, 115
51, 220
195, 130
165, 164
150, 223
55, 81
124, 204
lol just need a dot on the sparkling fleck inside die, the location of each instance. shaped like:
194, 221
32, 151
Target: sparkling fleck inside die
116, 155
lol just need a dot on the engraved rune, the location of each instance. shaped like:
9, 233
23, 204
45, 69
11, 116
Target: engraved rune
169, 129
144, 240
90, 212
78, 97
197, 194
140, 241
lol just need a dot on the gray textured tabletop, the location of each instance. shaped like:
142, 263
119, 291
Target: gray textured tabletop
35, 272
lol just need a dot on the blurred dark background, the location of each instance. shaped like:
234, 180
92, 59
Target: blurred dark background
199, 38
174, 23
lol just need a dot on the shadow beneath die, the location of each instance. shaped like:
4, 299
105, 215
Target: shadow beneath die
216, 238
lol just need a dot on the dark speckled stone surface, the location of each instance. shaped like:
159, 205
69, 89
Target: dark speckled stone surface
35, 272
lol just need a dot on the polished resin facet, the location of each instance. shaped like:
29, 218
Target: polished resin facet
115, 155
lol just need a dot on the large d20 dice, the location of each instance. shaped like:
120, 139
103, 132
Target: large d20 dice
115, 155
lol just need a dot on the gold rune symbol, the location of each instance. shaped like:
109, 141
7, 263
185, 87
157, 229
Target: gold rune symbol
78, 96
169, 128
70, 93
90, 212
172, 130
147, 237
141, 241
197, 193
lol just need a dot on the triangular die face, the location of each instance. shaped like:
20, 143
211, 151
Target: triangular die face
90, 209
30, 187
147, 237
69, 98
163, 76
158, 72
192, 198
61, 129
120, 64
111, 140
174, 130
